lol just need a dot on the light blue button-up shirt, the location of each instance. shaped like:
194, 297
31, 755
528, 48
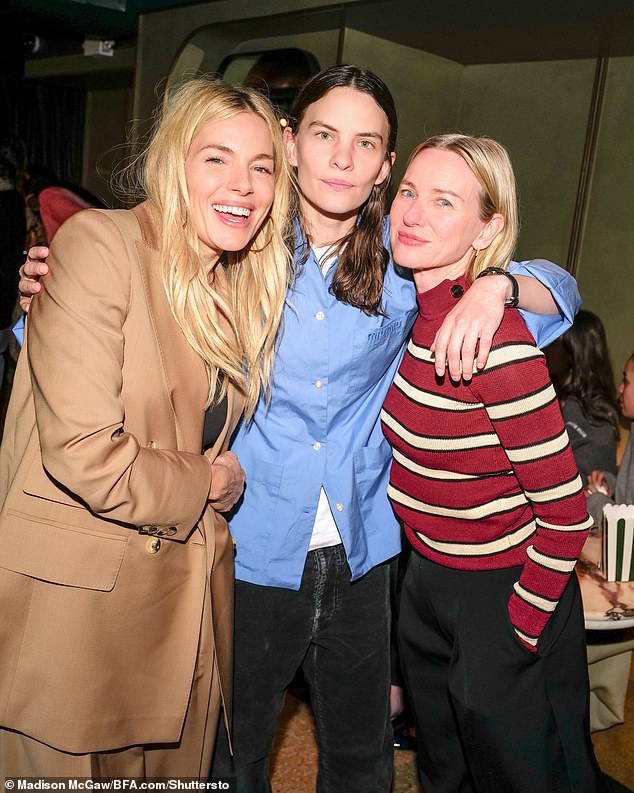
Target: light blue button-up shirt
333, 368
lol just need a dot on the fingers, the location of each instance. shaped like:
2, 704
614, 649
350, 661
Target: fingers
35, 264
597, 483
447, 346
597, 489
25, 303
464, 348
37, 252
227, 483
33, 268
439, 347
467, 331
460, 342
454, 356
596, 477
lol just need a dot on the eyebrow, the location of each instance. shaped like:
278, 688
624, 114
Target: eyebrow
229, 150
444, 191
323, 124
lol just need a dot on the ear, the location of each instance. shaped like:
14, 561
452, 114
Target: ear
289, 145
387, 163
489, 232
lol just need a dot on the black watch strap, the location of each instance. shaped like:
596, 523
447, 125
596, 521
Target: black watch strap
514, 299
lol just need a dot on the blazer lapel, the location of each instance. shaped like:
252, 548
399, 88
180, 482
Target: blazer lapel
183, 369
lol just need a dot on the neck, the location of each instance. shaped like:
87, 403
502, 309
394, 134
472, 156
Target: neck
322, 228
209, 263
429, 279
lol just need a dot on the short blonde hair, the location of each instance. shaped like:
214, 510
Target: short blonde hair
491, 165
258, 276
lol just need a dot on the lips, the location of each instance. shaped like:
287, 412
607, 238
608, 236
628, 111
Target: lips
410, 239
338, 184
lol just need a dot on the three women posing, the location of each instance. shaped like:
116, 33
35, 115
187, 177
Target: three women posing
315, 529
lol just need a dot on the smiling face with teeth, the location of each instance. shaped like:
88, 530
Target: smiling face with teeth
229, 171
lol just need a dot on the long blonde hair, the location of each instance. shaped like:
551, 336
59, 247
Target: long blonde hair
491, 165
257, 277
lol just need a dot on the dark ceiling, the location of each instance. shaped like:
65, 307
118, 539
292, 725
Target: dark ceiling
98, 18
468, 31
490, 31
61, 25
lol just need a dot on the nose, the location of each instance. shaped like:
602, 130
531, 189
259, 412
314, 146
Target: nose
413, 215
241, 179
620, 389
342, 156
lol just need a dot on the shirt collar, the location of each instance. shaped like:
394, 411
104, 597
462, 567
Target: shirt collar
441, 298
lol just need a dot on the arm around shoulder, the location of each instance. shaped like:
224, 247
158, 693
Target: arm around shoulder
549, 298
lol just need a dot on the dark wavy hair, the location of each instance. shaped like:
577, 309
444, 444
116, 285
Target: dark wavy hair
13, 159
589, 377
363, 259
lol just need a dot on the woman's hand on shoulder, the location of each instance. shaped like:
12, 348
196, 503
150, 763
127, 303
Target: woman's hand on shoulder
469, 328
30, 273
227, 482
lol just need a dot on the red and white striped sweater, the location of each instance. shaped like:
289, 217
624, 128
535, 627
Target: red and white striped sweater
482, 474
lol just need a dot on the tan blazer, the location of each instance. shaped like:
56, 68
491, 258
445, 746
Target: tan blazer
106, 543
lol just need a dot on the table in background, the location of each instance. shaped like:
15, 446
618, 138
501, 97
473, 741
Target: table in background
609, 616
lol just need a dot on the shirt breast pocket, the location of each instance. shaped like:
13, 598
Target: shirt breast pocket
373, 353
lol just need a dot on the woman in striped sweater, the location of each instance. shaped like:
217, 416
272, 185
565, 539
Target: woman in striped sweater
485, 482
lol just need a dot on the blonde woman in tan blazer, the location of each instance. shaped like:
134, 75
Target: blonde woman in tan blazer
116, 566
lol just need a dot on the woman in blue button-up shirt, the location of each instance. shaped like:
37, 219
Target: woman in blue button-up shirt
315, 527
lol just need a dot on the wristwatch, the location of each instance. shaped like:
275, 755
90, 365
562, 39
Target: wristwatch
514, 299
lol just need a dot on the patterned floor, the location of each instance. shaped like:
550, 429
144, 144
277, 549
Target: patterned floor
295, 759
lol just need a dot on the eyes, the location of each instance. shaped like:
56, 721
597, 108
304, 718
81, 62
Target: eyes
410, 194
362, 143
262, 168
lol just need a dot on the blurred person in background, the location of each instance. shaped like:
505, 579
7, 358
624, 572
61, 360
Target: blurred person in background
12, 234
579, 363
603, 487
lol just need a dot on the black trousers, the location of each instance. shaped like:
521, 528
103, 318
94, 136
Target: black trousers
337, 631
491, 716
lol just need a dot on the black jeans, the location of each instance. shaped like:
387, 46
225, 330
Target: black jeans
491, 716
338, 633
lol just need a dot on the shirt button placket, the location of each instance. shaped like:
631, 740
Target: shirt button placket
318, 384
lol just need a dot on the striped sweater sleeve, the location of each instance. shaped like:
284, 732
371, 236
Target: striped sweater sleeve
520, 401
